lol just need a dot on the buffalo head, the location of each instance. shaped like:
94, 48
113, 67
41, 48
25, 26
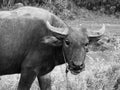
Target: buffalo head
74, 44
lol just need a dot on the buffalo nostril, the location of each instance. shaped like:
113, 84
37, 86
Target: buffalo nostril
82, 66
73, 65
77, 66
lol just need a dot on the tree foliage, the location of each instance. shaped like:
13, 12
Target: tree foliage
8, 3
105, 6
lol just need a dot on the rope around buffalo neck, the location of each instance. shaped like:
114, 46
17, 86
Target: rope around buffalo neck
66, 71
65, 62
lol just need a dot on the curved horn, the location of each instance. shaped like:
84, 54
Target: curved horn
63, 31
96, 33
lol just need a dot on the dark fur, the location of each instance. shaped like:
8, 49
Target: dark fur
27, 46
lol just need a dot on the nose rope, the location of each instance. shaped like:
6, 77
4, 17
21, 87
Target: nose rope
66, 71
65, 62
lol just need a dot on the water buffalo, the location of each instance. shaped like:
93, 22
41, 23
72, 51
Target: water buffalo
33, 41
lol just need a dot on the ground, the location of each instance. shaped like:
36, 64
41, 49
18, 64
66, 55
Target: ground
102, 71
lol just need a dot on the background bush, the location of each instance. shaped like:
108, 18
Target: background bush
67, 7
105, 6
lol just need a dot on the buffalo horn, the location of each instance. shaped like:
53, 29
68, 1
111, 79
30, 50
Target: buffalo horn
96, 33
63, 31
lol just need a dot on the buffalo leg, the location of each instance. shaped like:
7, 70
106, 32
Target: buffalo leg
44, 82
27, 78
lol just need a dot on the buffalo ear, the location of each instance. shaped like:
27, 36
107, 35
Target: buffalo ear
51, 40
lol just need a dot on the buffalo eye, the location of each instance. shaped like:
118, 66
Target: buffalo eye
67, 42
86, 47
86, 44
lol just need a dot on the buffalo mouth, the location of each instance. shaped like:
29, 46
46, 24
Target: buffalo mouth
76, 69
